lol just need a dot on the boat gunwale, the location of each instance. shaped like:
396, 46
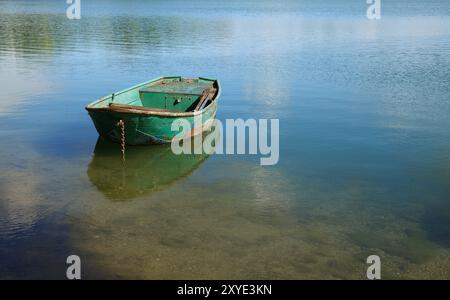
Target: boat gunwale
149, 111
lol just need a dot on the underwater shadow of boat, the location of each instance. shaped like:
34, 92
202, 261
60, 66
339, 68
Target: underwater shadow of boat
147, 169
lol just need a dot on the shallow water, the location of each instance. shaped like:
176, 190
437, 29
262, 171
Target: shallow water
364, 141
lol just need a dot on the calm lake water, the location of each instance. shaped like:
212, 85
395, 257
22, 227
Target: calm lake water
364, 141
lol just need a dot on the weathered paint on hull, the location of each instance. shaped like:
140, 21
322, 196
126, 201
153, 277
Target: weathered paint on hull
141, 129
144, 128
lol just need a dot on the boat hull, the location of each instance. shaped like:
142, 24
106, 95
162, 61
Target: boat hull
143, 129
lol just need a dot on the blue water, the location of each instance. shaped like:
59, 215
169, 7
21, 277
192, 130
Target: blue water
364, 141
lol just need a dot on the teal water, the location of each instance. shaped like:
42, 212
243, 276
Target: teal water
364, 141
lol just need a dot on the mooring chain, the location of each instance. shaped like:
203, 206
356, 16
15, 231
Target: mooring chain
121, 124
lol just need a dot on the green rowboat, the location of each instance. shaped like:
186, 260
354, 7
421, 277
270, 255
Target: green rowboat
144, 113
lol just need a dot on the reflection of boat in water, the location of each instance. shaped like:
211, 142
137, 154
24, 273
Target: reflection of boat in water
146, 169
